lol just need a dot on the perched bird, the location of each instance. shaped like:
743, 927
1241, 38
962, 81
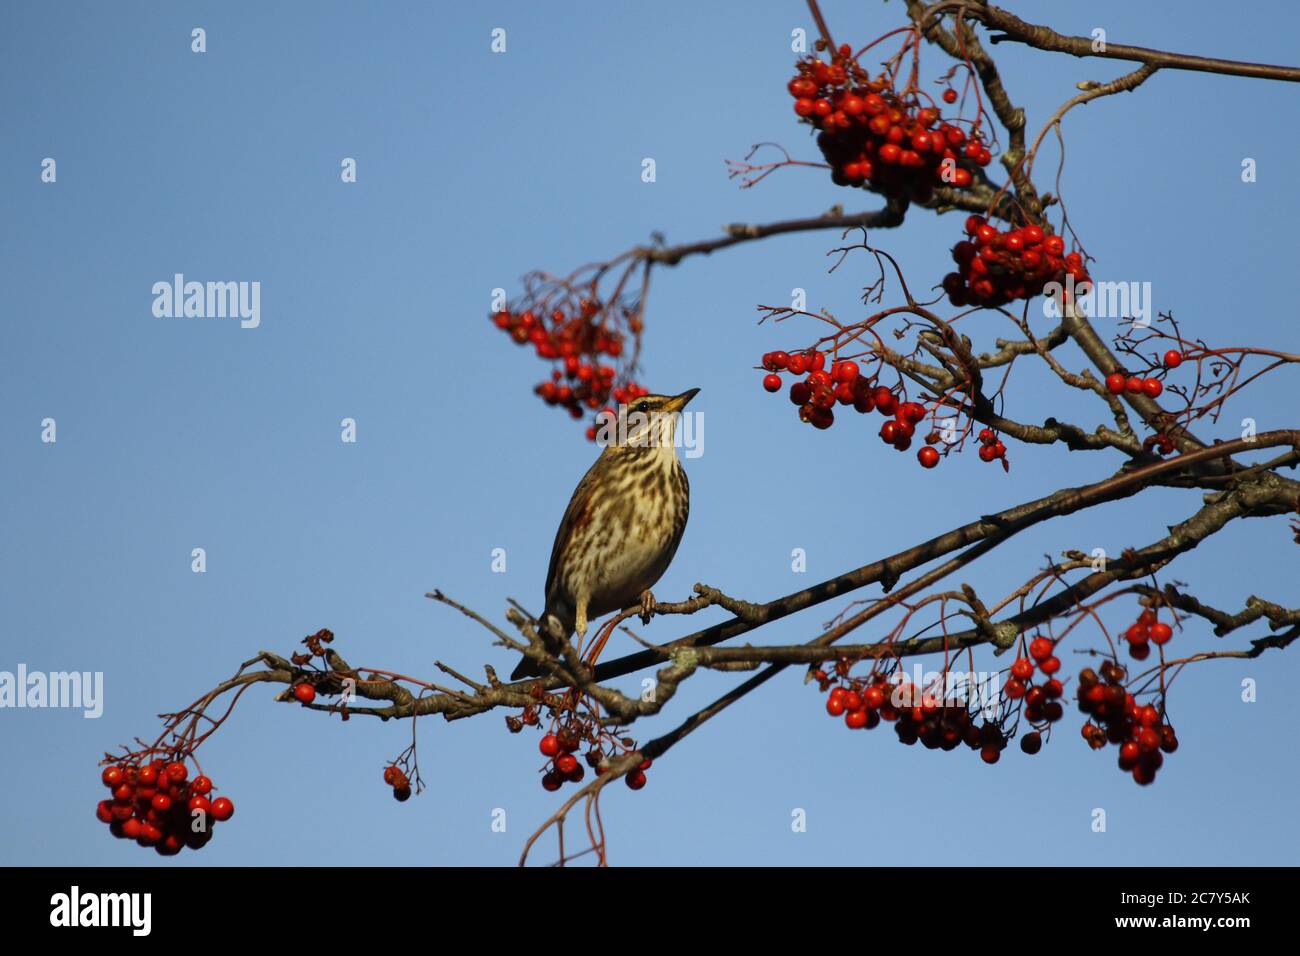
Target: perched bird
623, 524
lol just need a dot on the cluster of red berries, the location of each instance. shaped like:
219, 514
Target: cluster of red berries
817, 391
991, 447
1042, 701
155, 805
873, 137
564, 766
1117, 383
996, 267
396, 778
581, 384
944, 727
1144, 632
916, 716
1139, 731
560, 748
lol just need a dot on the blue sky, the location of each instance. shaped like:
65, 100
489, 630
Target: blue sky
474, 168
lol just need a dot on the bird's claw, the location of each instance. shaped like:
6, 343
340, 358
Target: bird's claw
647, 607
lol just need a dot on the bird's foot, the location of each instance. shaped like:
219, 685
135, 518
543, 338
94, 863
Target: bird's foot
647, 606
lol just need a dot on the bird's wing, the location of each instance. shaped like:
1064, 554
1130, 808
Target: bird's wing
576, 516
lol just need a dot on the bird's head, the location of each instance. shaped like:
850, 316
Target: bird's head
646, 422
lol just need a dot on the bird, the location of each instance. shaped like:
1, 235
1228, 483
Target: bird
622, 526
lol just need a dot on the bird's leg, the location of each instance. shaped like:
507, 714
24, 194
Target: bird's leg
580, 621
647, 606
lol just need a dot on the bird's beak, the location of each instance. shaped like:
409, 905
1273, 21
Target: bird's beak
678, 402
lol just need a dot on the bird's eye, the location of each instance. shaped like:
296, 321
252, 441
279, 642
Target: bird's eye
642, 407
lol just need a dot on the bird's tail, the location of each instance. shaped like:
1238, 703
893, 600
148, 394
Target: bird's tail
528, 667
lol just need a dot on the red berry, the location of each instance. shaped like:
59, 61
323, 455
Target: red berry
222, 808
1137, 634
1116, 382
112, 776
1152, 387
1022, 669
1040, 649
201, 784
1128, 755
305, 693
161, 802
552, 781
635, 780
1031, 742
147, 776
928, 456
772, 382
197, 802
1050, 665
990, 754
856, 719
835, 705
911, 412
566, 763
950, 95
1173, 358
1134, 385
176, 772
549, 745
1161, 632
1054, 245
